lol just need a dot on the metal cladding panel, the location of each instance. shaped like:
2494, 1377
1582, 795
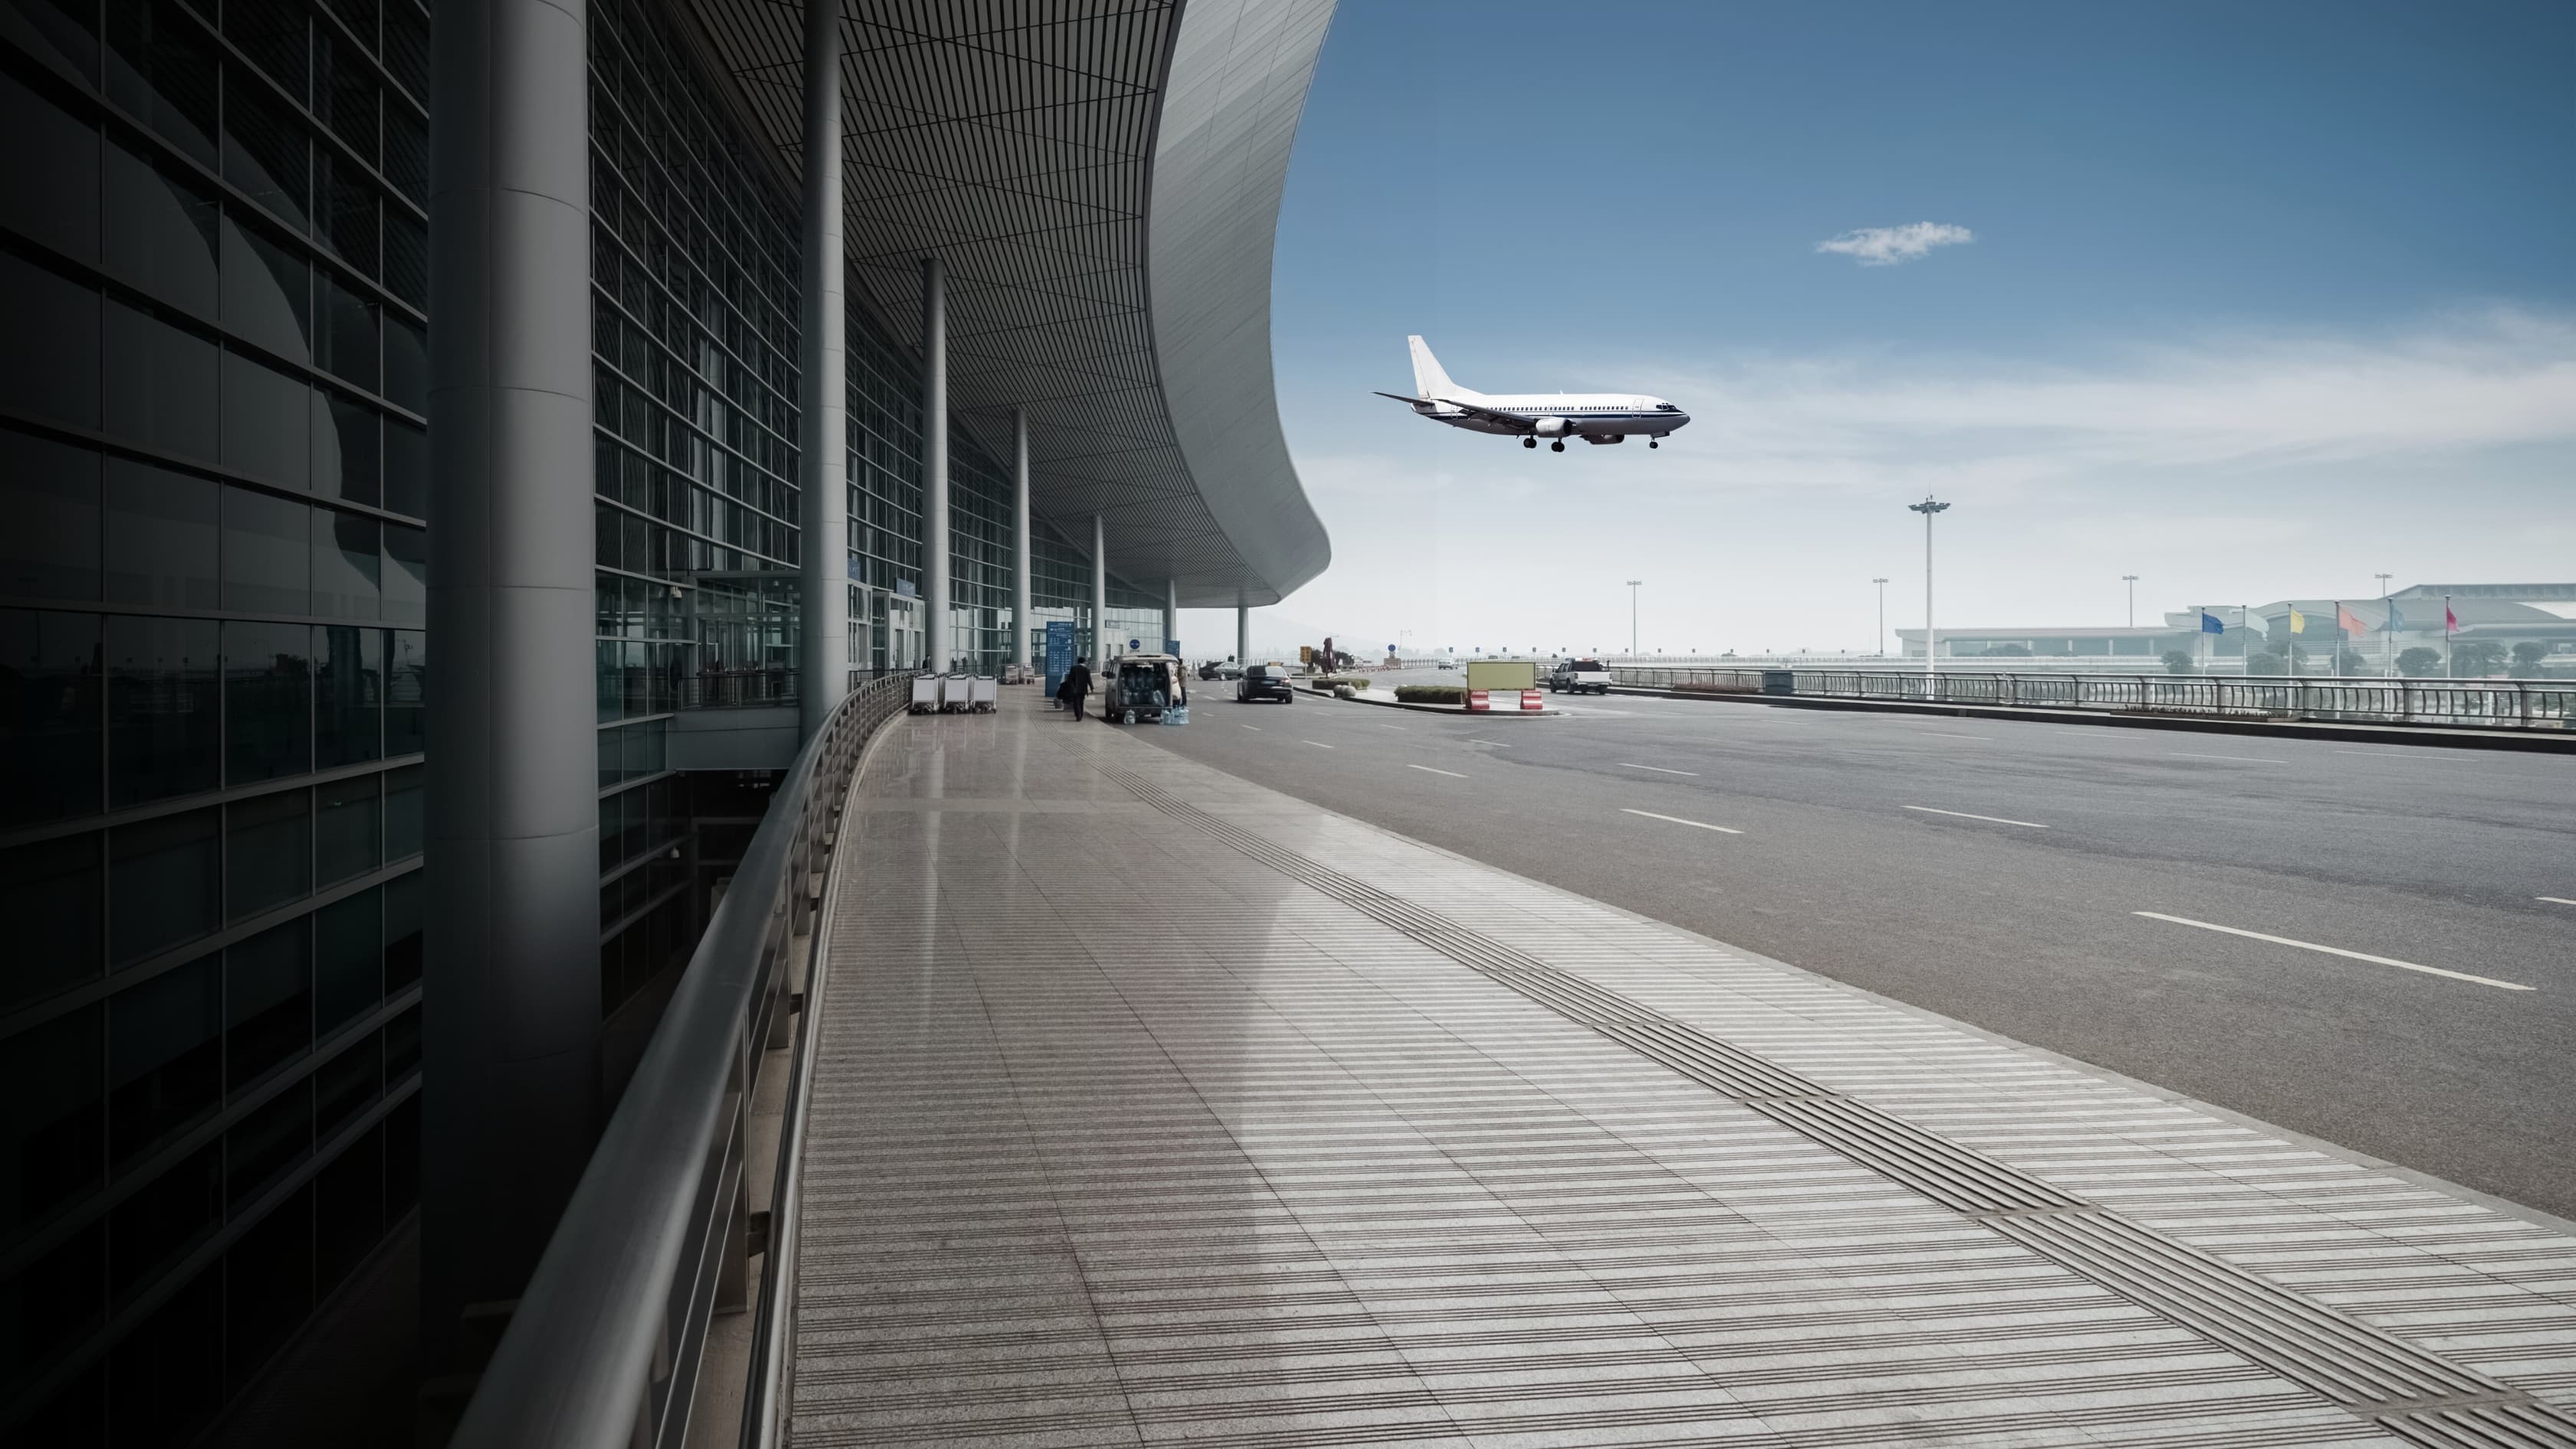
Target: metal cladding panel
1035, 147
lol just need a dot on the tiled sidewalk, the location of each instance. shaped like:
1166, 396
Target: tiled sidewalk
1156, 1106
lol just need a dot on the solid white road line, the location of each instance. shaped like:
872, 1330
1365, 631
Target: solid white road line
2555, 900
2334, 951
2405, 755
1677, 820
1318, 744
1495, 743
1256, 729
1989, 819
1391, 727
2240, 759
1989, 739
1658, 769
1426, 769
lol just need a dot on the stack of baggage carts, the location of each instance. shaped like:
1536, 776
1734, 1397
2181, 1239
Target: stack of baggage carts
954, 694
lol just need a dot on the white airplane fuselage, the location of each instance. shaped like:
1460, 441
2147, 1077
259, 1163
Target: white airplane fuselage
1595, 417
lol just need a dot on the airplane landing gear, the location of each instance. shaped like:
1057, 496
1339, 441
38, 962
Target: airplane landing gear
1529, 442
1651, 443
1556, 447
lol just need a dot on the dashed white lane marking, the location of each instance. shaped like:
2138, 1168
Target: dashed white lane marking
1426, 769
2240, 759
1497, 744
1989, 819
1318, 744
1943, 734
2334, 951
1677, 820
2555, 900
1658, 769
1394, 727
1256, 729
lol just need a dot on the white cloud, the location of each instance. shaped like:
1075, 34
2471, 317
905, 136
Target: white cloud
1885, 246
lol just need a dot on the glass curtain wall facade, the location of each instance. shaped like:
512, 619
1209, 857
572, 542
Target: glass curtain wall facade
213, 487
213, 474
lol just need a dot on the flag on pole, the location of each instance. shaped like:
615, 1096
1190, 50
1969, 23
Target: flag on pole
2450, 621
2298, 622
2396, 620
2209, 623
2349, 622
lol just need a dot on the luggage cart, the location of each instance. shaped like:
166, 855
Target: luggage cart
953, 692
925, 694
984, 694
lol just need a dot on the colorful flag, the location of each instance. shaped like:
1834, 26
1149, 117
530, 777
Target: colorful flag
2349, 622
2450, 621
2396, 620
2209, 623
2298, 622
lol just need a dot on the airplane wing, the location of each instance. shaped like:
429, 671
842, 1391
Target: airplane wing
1509, 419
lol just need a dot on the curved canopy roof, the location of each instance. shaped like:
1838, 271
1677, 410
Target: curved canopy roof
1101, 181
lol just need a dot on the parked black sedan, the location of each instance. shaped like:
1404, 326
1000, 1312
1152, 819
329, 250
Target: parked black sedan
1265, 681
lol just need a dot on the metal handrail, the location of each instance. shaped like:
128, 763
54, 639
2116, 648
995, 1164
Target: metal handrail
603, 1349
2478, 703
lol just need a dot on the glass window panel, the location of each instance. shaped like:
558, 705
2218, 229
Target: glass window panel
345, 341
277, 1255
268, 848
407, 153
348, 1209
268, 563
349, 212
268, 700
160, 537
165, 384
268, 1001
347, 456
267, 153
402, 930
267, 423
346, 558
407, 378
349, 697
406, 574
406, 677
402, 1045
167, 1354
49, 1137
611, 757
406, 243
406, 469
348, 959
169, 1215
360, 17
49, 715
48, 171
60, 379
345, 830
348, 1084
267, 291
263, 1147
161, 69
164, 731
50, 893
161, 233
345, 95
165, 1057
402, 813
49, 497
407, 46
272, 34
64, 33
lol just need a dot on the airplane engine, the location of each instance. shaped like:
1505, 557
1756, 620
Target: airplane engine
1605, 438
1554, 427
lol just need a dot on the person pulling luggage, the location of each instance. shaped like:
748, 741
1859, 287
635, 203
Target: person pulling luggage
1077, 683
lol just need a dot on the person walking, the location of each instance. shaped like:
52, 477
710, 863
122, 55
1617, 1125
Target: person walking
1077, 683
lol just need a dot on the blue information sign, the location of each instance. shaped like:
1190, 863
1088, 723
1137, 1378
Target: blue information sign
1059, 653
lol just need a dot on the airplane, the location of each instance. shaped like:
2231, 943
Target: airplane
1595, 417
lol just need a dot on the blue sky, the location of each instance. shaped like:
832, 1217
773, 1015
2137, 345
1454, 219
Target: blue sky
2259, 300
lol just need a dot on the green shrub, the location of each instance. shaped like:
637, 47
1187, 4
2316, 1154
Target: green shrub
1431, 694
1324, 682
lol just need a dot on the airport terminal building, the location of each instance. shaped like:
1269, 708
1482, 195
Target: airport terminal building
415, 431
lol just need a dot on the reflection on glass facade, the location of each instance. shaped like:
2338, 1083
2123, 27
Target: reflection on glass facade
212, 482
213, 552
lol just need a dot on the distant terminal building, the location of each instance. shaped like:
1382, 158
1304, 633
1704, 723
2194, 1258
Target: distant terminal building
2539, 618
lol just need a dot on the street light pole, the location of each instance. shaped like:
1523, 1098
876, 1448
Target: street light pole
1632, 616
2132, 581
1927, 508
2387, 636
1878, 646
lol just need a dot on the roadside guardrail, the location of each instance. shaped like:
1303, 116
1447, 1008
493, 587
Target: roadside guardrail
2464, 703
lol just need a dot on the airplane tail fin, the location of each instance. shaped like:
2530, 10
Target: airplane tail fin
1429, 379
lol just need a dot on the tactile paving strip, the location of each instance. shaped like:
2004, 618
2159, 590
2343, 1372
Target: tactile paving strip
2407, 1390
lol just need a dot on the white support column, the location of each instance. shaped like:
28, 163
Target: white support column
1243, 634
1020, 536
822, 428
1171, 611
1099, 590
511, 1095
934, 461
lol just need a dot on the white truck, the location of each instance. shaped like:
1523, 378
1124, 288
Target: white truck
1579, 676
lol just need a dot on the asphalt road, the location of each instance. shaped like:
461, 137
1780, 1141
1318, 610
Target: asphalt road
1860, 856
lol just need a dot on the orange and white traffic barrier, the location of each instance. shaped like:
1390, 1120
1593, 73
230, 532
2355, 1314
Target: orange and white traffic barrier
1530, 700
